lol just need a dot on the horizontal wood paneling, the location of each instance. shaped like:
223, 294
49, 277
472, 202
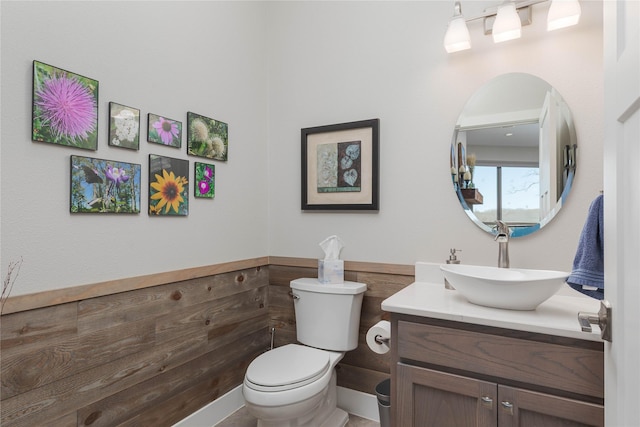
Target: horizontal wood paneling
371, 267
149, 394
78, 293
115, 359
174, 407
35, 326
25, 370
151, 350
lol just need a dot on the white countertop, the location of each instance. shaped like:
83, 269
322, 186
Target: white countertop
427, 297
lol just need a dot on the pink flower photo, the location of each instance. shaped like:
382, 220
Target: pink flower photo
162, 130
65, 107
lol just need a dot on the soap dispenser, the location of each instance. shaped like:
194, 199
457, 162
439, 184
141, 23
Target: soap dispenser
452, 260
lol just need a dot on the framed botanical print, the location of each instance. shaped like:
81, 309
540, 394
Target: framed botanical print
340, 166
168, 186
104, 186
162, 130
65, 107
207, 137
124, 126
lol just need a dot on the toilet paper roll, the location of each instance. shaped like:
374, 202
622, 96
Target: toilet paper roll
382, 329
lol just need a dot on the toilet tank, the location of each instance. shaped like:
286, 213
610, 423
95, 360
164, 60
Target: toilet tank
327, 315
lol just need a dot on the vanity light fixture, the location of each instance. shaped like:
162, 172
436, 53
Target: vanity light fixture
457, 37
505, 21
563, 13
507, 25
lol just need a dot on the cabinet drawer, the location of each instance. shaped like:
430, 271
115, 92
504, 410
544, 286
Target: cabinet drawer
562, 367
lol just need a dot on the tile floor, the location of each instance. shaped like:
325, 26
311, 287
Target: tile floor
241, 418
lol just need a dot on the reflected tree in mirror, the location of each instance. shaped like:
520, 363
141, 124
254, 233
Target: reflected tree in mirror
513, 154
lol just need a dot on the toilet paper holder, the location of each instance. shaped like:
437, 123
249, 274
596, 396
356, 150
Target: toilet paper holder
381, 340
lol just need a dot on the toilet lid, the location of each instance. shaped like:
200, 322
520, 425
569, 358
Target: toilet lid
287, 367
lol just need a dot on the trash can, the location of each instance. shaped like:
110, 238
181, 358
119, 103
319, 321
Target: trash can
383, 391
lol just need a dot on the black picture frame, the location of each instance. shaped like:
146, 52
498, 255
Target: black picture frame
124, 126
340, 167
104, 186
164, 131
64, 107
168, 186
207, 137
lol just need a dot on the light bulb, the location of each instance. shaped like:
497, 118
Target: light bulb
563, 13
457, 37
507, 25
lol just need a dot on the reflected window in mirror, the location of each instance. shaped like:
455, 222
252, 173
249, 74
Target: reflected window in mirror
511, 194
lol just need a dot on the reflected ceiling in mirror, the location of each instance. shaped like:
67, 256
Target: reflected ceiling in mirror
513, 154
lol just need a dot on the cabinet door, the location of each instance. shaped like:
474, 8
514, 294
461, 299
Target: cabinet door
523, 408
429, 398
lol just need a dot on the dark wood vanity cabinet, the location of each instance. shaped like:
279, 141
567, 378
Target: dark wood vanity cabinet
456, 374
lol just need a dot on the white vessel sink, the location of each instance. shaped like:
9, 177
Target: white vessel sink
508, 288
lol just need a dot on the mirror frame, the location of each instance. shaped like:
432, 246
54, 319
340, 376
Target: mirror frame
458, 150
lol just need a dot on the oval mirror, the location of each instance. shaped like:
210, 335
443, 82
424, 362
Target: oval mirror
513, 155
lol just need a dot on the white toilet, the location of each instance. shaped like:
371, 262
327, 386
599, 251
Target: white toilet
295, 385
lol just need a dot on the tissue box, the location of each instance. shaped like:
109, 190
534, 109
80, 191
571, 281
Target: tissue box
331, 271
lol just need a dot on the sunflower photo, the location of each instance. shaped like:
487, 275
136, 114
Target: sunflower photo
104, 186
204, 180
207, 137
124, 126
162, 130
168, 186
65, 107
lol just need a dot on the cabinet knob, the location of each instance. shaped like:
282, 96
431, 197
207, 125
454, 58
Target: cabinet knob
486, 401
507, 407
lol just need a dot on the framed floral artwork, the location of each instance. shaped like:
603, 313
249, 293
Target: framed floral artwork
65, 107
207, 137
340, 166
124, 126
162, 130
104, 186
204, 179
168, 186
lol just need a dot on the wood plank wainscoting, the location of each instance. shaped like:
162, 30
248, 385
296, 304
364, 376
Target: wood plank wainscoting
150, 350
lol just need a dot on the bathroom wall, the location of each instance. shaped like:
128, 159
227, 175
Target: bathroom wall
334, 62
162, 57
270, 69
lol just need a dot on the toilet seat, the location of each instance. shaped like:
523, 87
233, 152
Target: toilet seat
286, 368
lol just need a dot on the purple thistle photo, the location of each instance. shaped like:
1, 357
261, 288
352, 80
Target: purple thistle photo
65, 108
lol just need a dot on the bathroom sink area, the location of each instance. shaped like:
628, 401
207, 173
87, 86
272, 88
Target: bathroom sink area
506, 288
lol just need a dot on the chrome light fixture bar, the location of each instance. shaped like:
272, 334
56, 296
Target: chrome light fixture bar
505, 21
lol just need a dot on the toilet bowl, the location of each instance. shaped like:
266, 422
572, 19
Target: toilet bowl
294, 386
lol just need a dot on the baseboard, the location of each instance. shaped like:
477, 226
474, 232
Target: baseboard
216, 411
354, 402
358, 403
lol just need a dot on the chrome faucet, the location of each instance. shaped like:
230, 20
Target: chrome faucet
502, 237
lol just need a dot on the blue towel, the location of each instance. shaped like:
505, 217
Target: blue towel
588, 265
